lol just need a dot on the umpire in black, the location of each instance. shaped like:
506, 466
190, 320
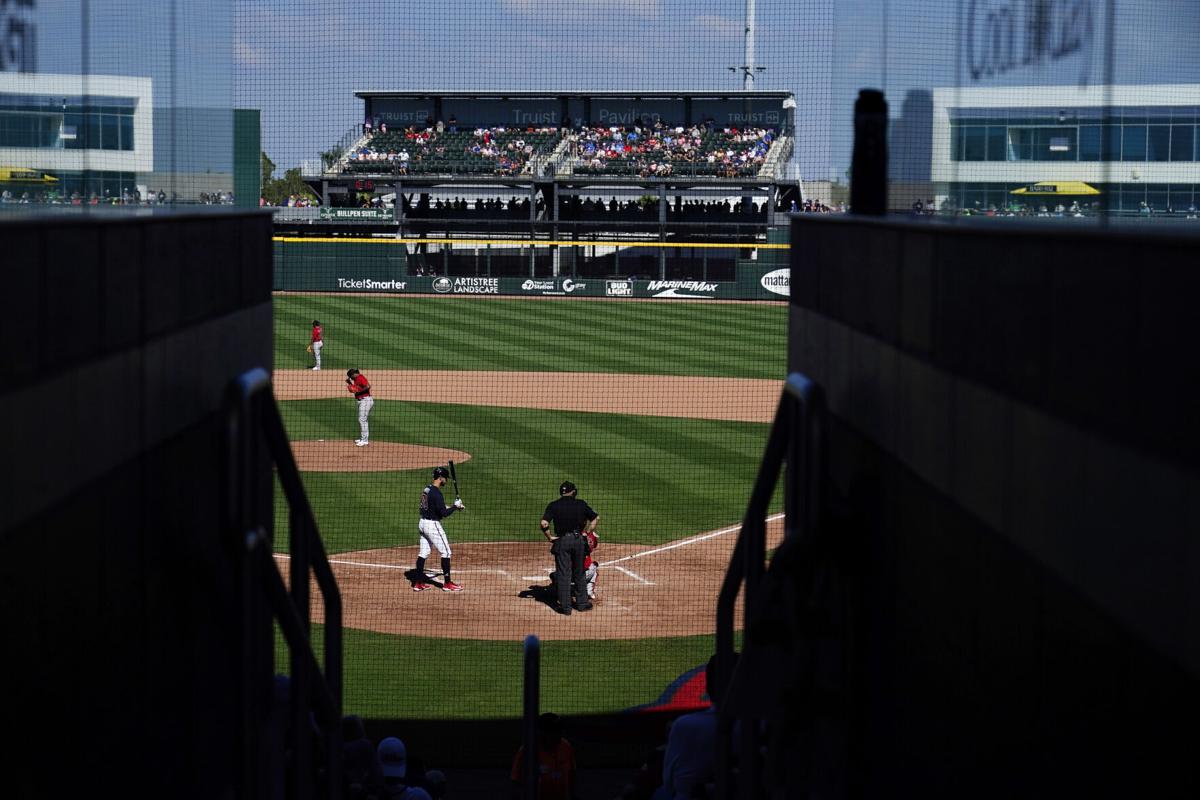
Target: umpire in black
571, 516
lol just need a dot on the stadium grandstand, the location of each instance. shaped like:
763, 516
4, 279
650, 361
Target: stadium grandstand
552, 156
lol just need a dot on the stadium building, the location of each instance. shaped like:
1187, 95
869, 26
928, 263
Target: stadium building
1137, 147
62, 135
555, 149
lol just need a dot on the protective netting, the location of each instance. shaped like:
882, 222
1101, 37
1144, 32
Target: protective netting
550, 236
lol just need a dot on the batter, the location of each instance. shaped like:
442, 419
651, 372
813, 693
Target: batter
433, 535
358, 385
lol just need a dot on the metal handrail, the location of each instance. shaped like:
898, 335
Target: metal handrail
254, 421
801, 410
529, 720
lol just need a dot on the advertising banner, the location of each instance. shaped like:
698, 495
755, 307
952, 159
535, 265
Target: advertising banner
524, 112
400, 113
757, 113
357, 214
561, 287
381, 266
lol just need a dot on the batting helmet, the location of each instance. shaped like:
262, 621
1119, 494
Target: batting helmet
440, 472
566, 488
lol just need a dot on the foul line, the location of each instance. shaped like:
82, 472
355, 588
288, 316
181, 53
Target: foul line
692, 540
612, 564
635, 576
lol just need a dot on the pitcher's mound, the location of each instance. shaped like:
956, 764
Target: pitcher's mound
344, 456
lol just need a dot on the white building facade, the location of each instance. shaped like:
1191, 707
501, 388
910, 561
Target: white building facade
94, 133
1139, 145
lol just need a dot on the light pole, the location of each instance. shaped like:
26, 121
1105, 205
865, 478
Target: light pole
747, 68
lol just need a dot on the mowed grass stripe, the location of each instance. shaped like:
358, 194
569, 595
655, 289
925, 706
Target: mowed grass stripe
386, 676
694, 474
743, 340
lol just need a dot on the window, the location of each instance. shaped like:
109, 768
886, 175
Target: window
1158, 143
1183, 142
1110, 143
109, 132
1045, 144
1133, 143
72, 135
126, 132
1089, 142
91, 132
997, 143
1182, 196
974, 143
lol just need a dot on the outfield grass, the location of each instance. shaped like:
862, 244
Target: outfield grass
652, 479
746, 340
411, 677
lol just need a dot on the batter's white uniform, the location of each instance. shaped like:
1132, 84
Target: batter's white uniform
433, 535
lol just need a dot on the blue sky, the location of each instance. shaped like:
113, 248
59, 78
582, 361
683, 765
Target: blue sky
300, 61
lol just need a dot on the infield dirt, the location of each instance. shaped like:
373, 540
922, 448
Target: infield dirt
644, 591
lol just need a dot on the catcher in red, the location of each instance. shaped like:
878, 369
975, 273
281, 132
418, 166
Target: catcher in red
591, 567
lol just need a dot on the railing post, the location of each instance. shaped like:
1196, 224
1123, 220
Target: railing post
529, 718
254, 422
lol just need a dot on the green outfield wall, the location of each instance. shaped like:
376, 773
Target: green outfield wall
381, 265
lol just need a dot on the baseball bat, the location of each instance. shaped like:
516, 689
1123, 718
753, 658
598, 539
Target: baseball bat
454, 477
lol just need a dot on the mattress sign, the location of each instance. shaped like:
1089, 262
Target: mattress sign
778, 281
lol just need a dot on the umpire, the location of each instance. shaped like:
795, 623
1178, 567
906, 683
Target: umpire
571, 516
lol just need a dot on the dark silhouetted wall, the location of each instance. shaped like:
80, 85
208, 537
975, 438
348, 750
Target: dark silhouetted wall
122, 617
1013, 418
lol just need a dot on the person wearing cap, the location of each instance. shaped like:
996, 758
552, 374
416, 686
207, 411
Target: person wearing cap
433, 510
572, 517
393, 759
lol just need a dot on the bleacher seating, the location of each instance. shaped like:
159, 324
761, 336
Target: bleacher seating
492, 151
671, 151
660, 150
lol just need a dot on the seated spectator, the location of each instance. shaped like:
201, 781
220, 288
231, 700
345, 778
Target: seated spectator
688, 765
435, 781
393, 760
361, 770
556, 764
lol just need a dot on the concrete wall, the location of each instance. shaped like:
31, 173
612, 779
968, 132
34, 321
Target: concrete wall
123, 620
1012, 413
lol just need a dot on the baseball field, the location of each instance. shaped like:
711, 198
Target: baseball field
658, 411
